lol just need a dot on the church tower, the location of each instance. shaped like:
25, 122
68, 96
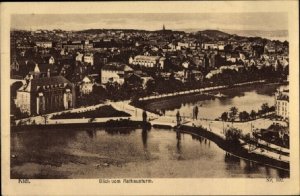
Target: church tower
164, 27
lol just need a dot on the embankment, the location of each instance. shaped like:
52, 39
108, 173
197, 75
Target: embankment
235, 150
108, 124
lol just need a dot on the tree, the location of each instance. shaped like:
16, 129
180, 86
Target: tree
244, 116
233, 135
224, 116
233, 113
150, 86
253, 114
264, 108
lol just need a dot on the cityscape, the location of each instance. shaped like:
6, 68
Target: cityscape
163, 103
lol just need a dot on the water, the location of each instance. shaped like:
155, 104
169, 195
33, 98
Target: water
244, 98
119, 153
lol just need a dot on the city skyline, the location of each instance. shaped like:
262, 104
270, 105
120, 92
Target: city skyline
175, 21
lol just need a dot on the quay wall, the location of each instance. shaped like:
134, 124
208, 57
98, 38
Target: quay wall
235, 150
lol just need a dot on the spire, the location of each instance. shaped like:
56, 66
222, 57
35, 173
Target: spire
164, 27
36, 68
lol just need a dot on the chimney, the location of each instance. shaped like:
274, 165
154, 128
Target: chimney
48, 73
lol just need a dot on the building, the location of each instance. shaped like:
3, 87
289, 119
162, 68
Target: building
209, 46
282, 103
86, 86
138, 80
148, 61
115, 72
75, 45
212, 73
88, 58
88, 44
45, 95
51, 60
79, 57
270, 48
45, 44
182, 45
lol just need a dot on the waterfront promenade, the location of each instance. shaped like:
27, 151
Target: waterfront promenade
200, 90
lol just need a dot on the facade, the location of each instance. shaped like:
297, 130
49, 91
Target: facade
51, 60
79, 57
115, 72
270, 48
75, 45
209, 46
282, 104
44, 44
86, 86
148, 61
44, 95
138, 80
89, 58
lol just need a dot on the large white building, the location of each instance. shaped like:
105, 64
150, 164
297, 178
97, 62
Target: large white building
44, 44
282, 103
115, 72
79, 57
148, 61
89, 58
86, 85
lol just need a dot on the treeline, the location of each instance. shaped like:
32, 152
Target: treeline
234, 114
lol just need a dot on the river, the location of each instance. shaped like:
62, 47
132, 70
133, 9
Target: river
245, 98
158, 153
120, 153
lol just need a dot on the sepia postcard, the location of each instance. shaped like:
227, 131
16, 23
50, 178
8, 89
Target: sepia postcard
150, 98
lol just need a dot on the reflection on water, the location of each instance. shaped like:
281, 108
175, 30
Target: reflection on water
179, 152
91, 133
114, 131
125, 153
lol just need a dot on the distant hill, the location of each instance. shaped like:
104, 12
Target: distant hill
281, 35
214, 33
97, 31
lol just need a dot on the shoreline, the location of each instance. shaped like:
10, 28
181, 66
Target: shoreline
237, 151
108, 124
198, 94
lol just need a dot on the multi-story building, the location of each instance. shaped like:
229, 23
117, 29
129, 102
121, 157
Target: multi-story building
282, 103
79, 57
115, 72
148, 61
45, 95
209, 46
88, 58
86, 85
75, 45
270, 48
45, 44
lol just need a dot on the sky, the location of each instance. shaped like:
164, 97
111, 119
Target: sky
236, 21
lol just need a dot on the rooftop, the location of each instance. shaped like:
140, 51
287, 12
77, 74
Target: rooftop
146, 58
115, 66
34, 84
